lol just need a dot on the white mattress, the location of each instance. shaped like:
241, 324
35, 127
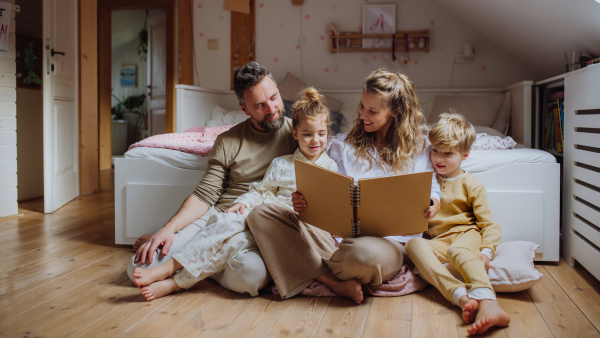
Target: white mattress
478, 161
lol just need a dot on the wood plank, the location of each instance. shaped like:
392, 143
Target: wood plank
344, 318
186, 41
301, 318
239, 21
583, 293
389, 317
561, 315
258, 317
133, 321
104, 88
213, 318
525, 320
432, 315
88, 97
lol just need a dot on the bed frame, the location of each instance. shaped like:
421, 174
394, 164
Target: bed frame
524, 198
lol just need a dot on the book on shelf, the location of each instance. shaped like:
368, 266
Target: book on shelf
554, 125
384, 206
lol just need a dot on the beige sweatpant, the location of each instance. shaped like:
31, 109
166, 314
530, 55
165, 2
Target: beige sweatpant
296, 253
460, 250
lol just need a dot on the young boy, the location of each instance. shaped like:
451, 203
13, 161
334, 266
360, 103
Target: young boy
463, 232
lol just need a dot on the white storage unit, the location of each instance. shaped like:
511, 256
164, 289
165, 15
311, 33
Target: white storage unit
581, 175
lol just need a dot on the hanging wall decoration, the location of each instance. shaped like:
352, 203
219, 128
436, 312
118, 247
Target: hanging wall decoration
378, 19
29, 61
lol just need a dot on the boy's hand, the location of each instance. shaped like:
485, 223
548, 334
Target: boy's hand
486, 261
432, 210
237, 207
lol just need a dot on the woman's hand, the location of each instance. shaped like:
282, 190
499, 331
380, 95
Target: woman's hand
486, 261
432, 210
237, 207
298, 202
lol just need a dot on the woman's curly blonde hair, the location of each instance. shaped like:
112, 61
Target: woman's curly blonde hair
405, 139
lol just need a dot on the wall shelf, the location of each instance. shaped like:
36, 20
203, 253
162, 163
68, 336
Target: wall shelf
357, 38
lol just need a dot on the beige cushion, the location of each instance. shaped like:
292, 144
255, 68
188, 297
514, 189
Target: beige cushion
479, 110
503, 117
512, 269
291, 87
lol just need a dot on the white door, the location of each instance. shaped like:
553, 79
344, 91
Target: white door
157, 73
61, 137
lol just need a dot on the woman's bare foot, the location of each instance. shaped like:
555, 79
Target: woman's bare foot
469, 307
159, 289
490, 314
141, 240
350, 288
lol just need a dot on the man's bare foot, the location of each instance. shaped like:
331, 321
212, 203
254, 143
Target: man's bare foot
469, 307
145, 277
141, 240
490, 314
350, 288
159, 289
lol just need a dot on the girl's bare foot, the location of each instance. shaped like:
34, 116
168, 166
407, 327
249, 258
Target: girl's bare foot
490, 314
350, 288
469, 307
159, 289
141, 240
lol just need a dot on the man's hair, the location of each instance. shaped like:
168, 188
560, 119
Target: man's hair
247, 77
453, 130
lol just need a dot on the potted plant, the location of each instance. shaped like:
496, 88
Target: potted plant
133, 104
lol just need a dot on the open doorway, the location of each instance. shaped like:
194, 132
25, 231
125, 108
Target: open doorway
138, 74
30, 101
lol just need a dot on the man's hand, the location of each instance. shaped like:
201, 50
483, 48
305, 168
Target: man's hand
298, 202
432, 210
163, 237
237, 207
486, 261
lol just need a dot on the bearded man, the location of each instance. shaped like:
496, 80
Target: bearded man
239, 157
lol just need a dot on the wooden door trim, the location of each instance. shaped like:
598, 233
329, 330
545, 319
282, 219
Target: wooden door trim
105, 7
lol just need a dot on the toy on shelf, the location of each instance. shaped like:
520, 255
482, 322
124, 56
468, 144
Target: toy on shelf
403, 41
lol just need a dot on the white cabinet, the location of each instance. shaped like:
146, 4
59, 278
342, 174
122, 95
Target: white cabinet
581, 175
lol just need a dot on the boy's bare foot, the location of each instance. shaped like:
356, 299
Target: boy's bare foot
159, 289
350, 288
141, 240
145, 277
490, 314
469, 307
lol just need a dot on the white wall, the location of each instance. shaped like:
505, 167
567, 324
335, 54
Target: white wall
279, 25
8, 127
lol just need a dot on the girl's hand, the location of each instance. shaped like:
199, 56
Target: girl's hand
298, 202
237, 207
432, 210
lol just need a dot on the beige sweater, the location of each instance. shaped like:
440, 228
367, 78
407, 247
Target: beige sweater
464, 206
239, 157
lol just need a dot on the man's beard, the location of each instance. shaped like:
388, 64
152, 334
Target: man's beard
272, 125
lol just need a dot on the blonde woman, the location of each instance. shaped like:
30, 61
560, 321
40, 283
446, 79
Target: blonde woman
386, 139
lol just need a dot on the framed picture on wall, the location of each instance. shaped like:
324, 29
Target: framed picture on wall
378, 19
128, 76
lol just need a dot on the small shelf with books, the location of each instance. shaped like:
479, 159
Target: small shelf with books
553, 124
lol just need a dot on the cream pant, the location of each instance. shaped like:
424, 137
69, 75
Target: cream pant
296, 253
460, 250
246, 273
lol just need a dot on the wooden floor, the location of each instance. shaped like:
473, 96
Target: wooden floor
61, 275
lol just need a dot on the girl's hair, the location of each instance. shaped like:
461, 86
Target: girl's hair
405, 139
311, 105
453, 130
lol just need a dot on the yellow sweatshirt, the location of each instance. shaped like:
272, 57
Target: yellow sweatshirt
464, 206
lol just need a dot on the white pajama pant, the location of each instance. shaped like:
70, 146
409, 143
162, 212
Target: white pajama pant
246, 273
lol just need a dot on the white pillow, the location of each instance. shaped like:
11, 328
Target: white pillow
488, 130
222, 117
512, 269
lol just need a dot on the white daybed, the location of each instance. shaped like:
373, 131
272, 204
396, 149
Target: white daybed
522, 187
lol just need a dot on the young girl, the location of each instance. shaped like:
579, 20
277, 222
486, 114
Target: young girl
386, 139
225, 236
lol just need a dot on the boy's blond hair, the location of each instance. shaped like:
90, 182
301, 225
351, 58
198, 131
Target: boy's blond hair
453, 130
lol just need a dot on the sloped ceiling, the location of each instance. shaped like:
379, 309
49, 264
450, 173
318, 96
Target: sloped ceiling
535, 32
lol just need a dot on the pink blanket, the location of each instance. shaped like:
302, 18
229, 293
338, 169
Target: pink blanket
405, 282
198, 140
